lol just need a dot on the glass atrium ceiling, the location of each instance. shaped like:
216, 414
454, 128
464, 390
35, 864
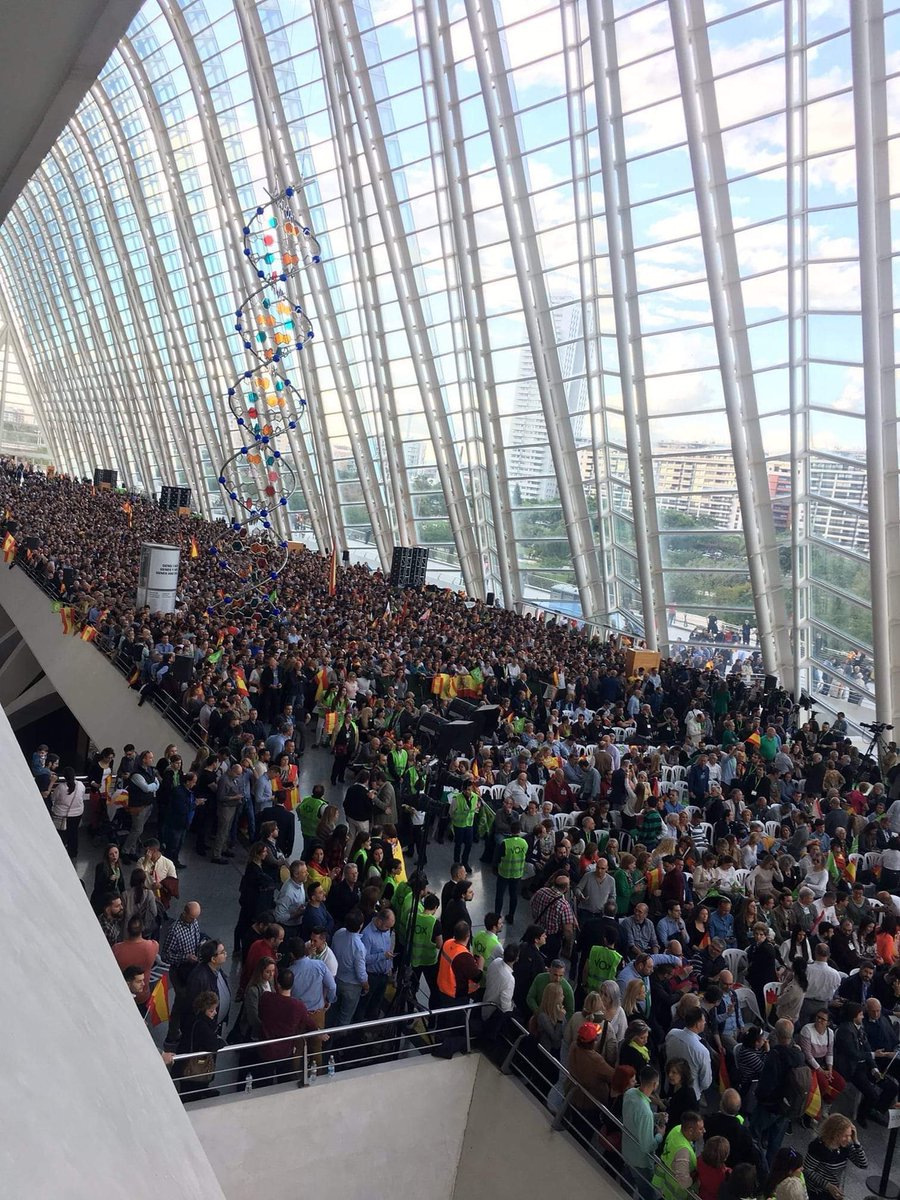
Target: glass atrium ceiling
605, 313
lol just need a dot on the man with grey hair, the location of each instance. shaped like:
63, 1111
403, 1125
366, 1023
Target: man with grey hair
768, 1124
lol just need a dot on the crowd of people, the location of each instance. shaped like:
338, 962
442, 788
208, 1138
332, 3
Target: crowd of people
711, 943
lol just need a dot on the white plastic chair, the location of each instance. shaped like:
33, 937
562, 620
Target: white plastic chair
737, 962
679, 788
741, 874
772, 828
620, 735
746, 997
497, 791
870, 860
773, 991
707, 828
562, 821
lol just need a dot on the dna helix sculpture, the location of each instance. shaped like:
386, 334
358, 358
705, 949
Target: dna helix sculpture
267, 406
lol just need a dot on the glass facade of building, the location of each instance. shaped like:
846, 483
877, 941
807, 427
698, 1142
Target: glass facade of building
605, 314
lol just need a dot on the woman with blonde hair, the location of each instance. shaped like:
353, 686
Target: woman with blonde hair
550, 1019
635, 999
827, 1156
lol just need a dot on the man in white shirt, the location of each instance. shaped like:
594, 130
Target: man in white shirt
517, 790
824, 982
498, 989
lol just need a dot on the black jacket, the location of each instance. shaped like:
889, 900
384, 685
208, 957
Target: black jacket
286, 822
779, 1060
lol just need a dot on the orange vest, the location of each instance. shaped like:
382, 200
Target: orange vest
446, 979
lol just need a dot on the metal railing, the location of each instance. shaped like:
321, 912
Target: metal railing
419, 1033
415, 1033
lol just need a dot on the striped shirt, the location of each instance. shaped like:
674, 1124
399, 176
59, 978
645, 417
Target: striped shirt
824, 1166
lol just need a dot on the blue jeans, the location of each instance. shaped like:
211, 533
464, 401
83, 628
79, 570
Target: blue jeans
769, 1129
344, 1011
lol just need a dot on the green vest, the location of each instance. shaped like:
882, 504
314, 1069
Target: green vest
464, 810
310, 807
401, 898
397, 760
424, 952
602, 964
485, 943
512, 864
664, 1181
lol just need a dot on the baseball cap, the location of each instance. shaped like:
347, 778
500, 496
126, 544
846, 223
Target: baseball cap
588, 1033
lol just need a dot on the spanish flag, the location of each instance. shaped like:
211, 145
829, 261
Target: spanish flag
9, 548
195, 549
321, 682
158, 1008
67, 616
814, 1099
240, 681
332, 571
88, 633
126, 509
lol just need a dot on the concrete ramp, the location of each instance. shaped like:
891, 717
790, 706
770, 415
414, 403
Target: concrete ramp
84, 678
428, 1129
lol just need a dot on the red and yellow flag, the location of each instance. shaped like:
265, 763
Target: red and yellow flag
814, 1099
240, 681
195, 549
127, 510
67, 616
332, 571
158, 1008
88, 633
9, 548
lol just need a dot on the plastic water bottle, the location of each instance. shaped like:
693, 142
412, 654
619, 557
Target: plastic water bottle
331, 1067
248, 1084
311, 1075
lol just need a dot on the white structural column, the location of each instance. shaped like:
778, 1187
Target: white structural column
434, 22
492, 73
346, 38
576, 65
798, 325
626, 308
84, 402
726, 302
283, 162
873, 208
393, 459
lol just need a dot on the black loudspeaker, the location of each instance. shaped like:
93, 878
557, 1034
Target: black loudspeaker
409, 565
68, 576
462, 709
172, 498
458, 736
770, 683
32, 543
182, 666
104, 475
430, 725
490, 600
345, 556
487, 718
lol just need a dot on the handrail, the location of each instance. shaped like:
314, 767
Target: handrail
559, 1118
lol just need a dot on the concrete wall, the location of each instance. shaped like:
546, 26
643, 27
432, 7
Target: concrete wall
86, 1106
511, 1153
88, 683
396, 1131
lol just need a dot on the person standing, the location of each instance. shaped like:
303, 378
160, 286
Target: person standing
313, 985
426, 944
229, 798
643, 1132
463, 808
511, 852
281, 1015
137, 951
143, 784
378, 940
352, 979
677, 1170
767, 1123
67, 809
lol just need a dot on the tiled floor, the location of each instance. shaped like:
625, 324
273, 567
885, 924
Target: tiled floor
216, 888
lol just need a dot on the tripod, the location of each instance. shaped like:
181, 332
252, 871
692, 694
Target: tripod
876, 743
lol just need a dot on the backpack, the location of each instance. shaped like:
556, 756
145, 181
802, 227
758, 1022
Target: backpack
797, 1086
